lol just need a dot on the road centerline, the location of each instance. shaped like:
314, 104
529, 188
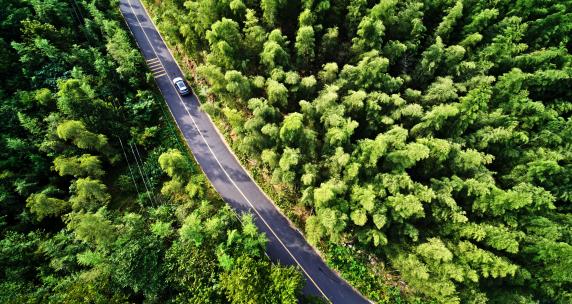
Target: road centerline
218, 161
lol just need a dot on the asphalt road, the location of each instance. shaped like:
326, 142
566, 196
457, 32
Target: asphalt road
286, 245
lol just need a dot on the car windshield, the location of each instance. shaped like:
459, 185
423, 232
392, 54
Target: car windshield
181, 85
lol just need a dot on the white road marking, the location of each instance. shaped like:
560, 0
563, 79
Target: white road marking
154, 65
217, 160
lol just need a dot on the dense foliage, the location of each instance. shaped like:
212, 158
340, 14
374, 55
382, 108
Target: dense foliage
98, 201
435, 135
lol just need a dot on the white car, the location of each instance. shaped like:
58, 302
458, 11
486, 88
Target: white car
181, 86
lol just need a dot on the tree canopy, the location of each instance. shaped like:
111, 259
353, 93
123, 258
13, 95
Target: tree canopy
99, 200
427, 137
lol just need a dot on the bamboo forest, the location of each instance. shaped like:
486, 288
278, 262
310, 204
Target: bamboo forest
423, 147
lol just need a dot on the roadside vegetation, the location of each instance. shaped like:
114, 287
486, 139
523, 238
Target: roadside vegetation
421, 145
100, 201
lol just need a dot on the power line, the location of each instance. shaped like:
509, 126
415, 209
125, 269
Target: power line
73, 9
78, 15
141, 173
128, 165
145, 172
79, 11
139, 159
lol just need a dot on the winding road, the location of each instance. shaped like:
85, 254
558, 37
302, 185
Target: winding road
286, 245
